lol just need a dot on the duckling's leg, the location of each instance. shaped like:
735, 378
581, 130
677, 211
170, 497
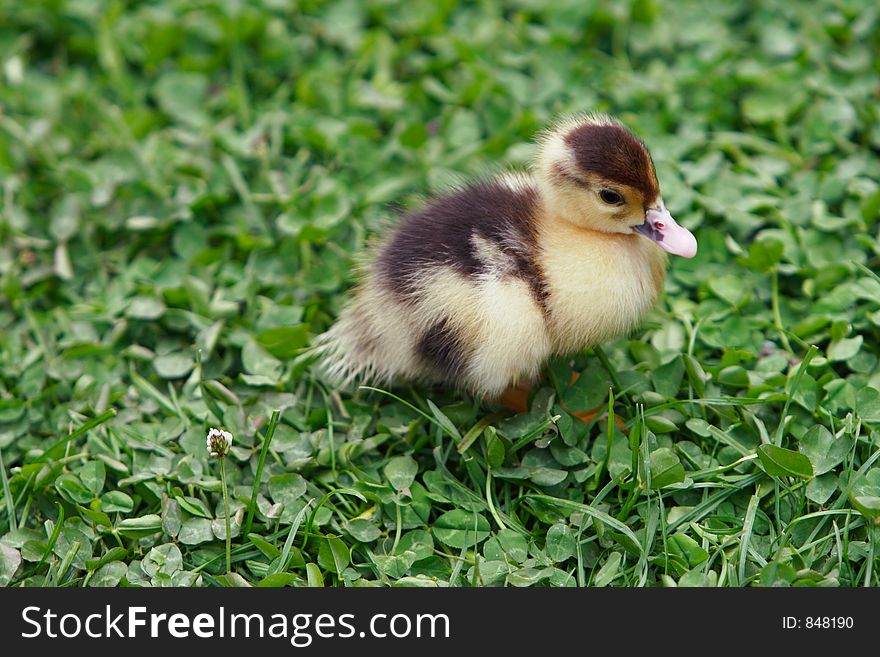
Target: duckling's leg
585, 416
516, 398
589, 416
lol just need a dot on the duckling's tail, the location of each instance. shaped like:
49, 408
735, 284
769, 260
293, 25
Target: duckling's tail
343, 355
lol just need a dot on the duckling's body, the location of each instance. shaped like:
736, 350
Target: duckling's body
481, 286
599, 285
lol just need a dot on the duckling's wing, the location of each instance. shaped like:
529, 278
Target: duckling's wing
452, 230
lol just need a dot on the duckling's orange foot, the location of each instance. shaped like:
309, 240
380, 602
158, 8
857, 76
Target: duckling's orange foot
586, 416
516, 398
589, 416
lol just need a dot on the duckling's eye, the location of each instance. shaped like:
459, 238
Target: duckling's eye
611, 197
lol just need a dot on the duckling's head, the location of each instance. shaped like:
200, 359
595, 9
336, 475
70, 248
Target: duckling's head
597, 175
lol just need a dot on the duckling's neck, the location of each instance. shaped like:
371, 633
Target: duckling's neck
599, 285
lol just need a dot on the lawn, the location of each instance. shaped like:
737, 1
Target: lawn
187, 188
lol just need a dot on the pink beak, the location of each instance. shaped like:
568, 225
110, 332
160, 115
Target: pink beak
669, 235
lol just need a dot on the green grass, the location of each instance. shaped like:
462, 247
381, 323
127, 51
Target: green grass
186, 188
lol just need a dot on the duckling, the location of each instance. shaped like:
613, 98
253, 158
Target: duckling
482, 285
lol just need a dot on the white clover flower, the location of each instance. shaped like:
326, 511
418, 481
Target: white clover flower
219, 442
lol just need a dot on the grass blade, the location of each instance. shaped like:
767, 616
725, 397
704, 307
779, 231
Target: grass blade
270, 431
